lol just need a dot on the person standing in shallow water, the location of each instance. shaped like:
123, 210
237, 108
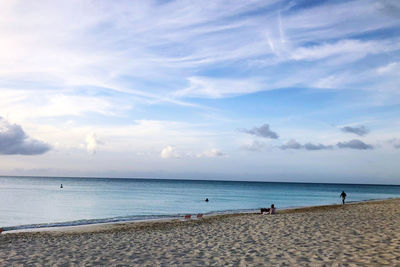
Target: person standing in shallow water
343, 196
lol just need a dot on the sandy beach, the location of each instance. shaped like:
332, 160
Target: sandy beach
359, 234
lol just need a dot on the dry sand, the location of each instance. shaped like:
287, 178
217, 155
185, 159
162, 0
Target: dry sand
361, 234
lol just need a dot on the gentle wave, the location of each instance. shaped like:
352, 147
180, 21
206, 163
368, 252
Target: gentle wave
39, 202
115, 220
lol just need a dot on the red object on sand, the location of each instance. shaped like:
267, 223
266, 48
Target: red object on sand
200, 216
188, 216
1, 230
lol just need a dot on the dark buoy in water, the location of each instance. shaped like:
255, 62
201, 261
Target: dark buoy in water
61, 186
206, 199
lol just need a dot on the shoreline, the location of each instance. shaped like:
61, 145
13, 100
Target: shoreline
104, 226
365, 233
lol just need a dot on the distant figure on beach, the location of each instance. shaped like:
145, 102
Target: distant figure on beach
61, 186
264, 210
206, 199
272, 210
343, 196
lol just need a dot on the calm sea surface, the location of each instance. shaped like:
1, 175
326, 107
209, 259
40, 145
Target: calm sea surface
30, 202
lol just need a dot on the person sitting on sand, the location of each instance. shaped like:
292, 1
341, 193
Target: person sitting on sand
272, 210
343, 196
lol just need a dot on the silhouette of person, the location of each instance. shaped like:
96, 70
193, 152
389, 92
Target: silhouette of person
206, 199
343, 196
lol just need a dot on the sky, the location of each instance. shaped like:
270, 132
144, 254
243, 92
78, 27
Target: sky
303, 91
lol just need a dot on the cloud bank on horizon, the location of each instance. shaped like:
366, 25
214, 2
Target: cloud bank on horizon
124, 88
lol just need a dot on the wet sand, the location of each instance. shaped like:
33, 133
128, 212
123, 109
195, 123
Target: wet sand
359, 234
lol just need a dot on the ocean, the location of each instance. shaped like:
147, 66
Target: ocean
34, 202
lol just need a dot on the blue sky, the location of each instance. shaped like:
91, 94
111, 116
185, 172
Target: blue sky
243, 90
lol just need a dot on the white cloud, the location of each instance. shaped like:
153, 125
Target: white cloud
253, 146
211, 153
92, 142
170, 152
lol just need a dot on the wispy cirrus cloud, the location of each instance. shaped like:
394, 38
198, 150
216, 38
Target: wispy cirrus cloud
331, 20
189, 40
390, 68
219, 88
342, 48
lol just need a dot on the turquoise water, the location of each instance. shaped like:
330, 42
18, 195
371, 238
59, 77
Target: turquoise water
29, 202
